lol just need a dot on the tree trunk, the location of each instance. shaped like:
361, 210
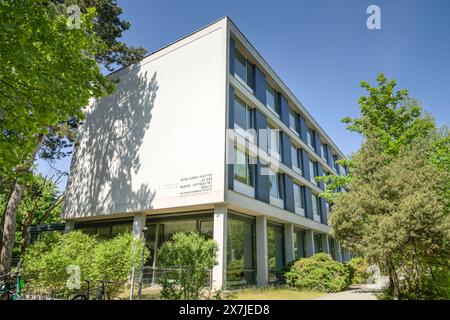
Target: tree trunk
27, 221
394, 281
9, 229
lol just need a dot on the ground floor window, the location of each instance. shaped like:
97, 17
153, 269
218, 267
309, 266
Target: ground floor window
317, 243
106, 230
240, 251
332, 249
299, 244
275, 243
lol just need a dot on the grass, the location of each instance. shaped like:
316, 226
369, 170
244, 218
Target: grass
275, 293
270, 293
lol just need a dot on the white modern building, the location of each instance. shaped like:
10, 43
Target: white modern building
157, 153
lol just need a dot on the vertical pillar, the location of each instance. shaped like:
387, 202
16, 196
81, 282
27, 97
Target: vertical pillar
337, 250
69, 226
138, 225
220, 237
325, 243
309, 238
262, 267
289, 242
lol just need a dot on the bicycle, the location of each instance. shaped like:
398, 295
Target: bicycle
10, 290
86, 296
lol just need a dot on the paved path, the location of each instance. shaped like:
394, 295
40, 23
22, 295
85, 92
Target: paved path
356, 292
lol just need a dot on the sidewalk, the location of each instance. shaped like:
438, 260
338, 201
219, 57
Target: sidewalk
356, 292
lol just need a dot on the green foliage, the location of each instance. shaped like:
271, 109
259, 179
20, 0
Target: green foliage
396, 214
358, 270
191, 257
113, 260
109, 27
46, 261
390, 116
318, 273
48, 74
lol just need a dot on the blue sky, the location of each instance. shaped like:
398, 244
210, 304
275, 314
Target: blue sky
321, 49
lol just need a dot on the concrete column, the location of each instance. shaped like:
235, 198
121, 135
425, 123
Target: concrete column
289, 242
325, 243
139, 225
69, 226
220, 236
337, 250
262, 268
309, 239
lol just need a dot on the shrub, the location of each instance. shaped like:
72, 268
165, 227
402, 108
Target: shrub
191, 257
113, 261
318, 273
46, 262
358, 270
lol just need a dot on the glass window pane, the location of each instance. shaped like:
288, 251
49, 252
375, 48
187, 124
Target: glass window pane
297, 197
270, 98
240, 252
207, 228
294, 156
117, 229
293, 121
240, 114
274, 184
242, 168
314, 204
240, 66
275, 252
172, 227
103, 233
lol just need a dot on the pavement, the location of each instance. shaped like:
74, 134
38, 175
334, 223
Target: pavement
355, 292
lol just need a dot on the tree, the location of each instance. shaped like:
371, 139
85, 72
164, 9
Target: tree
396, 214
392, 117
189, 259
48, 74
53, 261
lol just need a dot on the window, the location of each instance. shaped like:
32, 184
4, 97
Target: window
310, 138
316, 208
117, 229
332, 248
313, 171
296, 160
242, 70
299, 199
243, 115
275, 185
325, 152
317, 243
322, 152
243, 170
270, 99
324, 183
293, 122
275, 244
299, 244
274, 142
240, 251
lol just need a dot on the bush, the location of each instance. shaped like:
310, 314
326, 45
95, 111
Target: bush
358, 270
46, 262
318, 273
191, 257
113, 260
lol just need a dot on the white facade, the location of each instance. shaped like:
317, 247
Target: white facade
160, 138
156, 149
